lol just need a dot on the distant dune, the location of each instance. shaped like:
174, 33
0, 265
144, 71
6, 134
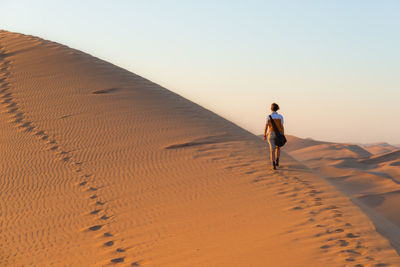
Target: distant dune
295, 143
101, 167
392, 157
380, 148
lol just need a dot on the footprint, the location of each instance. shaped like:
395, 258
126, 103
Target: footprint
352, 251
19, 116
100, 203
92, 189
13, 110
26, 124
314, 192
120, 250
104, 217
118, 260
351, 235
11, 105
108, 234
93, 197
318, 203
95, 211
29, 129
95, 228
8, 95
7, 100
135, 263
83, 183
297, 208
109, 243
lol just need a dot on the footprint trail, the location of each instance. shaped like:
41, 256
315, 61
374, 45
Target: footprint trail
21, 121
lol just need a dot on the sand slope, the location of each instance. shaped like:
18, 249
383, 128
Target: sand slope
372, 181
101, 167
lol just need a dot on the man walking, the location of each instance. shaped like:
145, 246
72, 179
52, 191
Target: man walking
274, 149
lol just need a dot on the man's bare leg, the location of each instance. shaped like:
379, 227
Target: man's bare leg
273, 155
278, 153
273, 152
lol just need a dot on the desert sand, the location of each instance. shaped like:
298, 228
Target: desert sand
101, 167
372, 181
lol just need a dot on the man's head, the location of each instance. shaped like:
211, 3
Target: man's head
274, 107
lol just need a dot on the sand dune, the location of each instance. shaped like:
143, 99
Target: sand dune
331, 152
388, 157
295, 143
101, 167
372, 181
380, 148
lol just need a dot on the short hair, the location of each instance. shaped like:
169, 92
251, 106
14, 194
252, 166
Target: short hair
274, 107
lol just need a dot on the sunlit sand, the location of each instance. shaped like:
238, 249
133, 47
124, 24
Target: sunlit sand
102, 167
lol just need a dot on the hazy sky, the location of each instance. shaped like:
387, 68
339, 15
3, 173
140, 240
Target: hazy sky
332, 66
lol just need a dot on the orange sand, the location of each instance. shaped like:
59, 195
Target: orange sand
371, 181
102, 167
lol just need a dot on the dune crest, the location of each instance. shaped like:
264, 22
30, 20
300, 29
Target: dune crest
380, 148
102, 167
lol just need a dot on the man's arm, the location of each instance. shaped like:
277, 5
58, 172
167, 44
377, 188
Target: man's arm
265, 131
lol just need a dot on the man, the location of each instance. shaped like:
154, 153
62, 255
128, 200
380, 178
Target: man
278, 119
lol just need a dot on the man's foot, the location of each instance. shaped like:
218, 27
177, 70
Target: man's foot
273, 166
277, 162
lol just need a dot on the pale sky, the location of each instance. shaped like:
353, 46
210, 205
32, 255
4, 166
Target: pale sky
332, 66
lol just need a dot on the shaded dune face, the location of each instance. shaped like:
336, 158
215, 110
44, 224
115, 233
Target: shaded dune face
102, 167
